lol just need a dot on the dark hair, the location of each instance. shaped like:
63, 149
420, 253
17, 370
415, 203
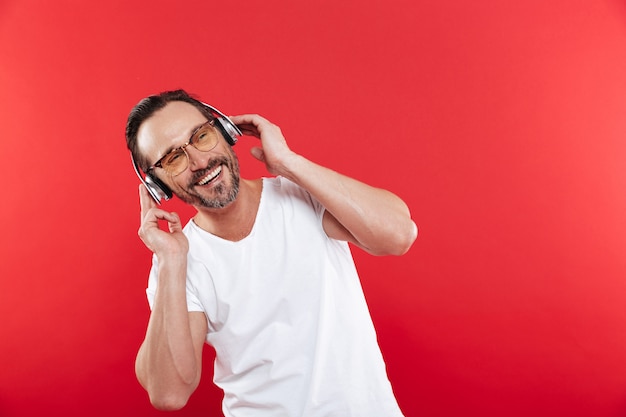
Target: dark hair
146, 108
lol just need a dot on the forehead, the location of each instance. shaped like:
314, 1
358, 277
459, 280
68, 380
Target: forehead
168, 128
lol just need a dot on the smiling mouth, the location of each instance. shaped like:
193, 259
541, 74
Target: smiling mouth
210, 176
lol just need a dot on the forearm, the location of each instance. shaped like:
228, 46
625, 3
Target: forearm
378, 220
167, 363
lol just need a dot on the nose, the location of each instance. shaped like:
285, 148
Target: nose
197, 159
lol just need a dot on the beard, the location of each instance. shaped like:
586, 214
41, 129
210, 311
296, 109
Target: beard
222, 194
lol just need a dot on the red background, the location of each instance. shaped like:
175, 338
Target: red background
502, 125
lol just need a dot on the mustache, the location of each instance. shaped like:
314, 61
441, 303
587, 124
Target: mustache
210, 167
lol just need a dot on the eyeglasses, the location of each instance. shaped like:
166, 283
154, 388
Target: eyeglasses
204, 138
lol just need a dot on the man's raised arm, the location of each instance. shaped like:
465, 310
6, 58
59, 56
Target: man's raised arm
374, 219
169, 361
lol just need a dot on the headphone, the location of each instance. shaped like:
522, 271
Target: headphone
157, 188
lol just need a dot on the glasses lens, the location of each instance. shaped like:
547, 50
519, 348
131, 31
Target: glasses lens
174, 162
205, 138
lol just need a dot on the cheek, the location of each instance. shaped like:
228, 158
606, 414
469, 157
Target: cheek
234, 161
181, 184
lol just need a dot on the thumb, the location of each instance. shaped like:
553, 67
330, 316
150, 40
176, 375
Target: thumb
258, 153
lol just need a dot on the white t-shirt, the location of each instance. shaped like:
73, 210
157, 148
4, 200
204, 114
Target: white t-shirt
287, 316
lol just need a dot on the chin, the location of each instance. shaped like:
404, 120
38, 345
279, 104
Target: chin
222, 196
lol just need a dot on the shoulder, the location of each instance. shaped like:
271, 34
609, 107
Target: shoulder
282, 191
282, 185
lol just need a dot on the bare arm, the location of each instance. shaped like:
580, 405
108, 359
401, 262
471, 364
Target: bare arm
372, 218
169, 361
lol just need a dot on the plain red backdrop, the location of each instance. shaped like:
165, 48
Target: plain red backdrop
502, 125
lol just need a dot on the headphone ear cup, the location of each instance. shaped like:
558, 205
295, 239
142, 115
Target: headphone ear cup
157, 188
228, 131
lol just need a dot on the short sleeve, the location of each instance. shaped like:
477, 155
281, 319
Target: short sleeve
300, 193
193, 303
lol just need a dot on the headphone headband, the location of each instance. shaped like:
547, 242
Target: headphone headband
232, 129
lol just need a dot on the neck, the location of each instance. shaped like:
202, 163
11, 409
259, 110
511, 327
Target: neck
235, 221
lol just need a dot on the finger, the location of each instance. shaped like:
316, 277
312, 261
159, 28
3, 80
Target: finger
160, 214
249, 130
145, 200
253, 119
251, 124
150, 209
258, 153
174, 223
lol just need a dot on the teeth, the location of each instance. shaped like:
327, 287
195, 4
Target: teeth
211, 175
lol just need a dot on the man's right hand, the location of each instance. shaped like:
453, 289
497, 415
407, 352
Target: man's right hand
160, 242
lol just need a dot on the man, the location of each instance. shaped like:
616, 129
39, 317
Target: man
262, 272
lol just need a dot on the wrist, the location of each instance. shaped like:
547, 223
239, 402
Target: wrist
172, 263
291, 166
